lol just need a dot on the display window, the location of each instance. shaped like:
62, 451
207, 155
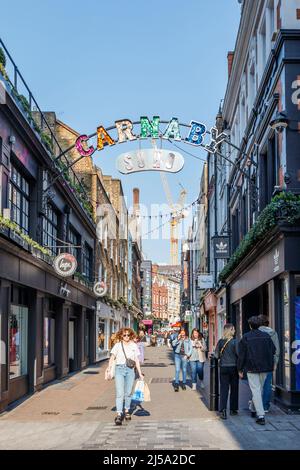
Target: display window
101, 335
49, 341
18, 341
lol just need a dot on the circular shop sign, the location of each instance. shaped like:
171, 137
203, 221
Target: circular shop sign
100, 288
65, 264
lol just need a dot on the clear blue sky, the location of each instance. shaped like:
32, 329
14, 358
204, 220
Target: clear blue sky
96, 61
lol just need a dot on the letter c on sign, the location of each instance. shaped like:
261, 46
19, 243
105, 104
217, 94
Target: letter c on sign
80, 149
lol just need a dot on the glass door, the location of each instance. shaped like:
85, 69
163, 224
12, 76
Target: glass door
18, 341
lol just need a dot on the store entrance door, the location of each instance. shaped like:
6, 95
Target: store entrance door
18, 352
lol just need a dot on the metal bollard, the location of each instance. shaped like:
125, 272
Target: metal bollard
214, 384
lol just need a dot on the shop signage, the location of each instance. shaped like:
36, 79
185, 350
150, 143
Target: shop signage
205, 281
63, 290
195, 133
65, 264
276, 261
221, 247
100, 288
150, 160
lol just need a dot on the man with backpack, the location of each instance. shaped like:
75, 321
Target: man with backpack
256, 359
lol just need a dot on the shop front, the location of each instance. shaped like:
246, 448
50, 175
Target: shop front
270, 284
210, 306
221, 312
107, 325
43, 324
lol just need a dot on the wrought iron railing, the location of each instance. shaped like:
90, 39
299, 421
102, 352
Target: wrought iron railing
24, 98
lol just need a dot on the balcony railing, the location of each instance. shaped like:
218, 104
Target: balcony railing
23, 97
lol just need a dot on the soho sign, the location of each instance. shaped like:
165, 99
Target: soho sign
150, 160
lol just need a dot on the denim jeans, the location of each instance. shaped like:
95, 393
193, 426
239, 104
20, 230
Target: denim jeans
180, 363
124, 378
197, 369
267, 391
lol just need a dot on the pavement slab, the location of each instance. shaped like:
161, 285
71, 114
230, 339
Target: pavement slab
78, 413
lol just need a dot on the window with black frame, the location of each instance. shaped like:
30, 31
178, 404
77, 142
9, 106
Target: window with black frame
19, 199
74, 240
50, 228
87, 254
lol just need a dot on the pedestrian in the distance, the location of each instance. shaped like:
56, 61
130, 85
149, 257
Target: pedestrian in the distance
256, 358
227, 353
182, 351
126, 356
197, 358
267, 390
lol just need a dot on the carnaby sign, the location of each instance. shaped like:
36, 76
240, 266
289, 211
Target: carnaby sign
65, 264
221, 247
124, 131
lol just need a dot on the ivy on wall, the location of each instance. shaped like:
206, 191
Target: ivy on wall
284, 207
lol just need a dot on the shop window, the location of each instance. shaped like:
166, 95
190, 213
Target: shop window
87, 261
49, 341
50, 227
101, 335
19, 199
74, 240
18, 341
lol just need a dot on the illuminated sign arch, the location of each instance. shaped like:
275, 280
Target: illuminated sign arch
196, 132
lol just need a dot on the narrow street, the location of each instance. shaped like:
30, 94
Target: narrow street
77, 413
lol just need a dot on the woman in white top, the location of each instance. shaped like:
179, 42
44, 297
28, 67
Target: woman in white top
124, 352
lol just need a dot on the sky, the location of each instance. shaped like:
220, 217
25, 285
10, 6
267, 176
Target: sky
97, 61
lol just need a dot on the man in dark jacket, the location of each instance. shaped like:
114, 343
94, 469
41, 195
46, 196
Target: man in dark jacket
256, 358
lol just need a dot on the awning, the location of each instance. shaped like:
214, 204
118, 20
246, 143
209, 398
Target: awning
176, 325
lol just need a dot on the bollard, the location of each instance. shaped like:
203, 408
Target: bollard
214, 384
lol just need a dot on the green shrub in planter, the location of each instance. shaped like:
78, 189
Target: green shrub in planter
2, 57
283, 208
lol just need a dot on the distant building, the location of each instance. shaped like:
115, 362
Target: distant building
146, 284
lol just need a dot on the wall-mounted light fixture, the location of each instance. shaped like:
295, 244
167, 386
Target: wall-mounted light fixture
280, 122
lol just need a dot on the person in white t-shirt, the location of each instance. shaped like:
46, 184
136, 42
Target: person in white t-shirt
125, 349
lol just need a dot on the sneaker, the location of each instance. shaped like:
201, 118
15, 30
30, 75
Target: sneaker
183, 387
202, 384
127, 416
176, 388
223, 414
261, 421
194, 387
233, 412
118, 420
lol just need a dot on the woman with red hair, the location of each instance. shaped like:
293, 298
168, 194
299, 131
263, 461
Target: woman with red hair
125, 354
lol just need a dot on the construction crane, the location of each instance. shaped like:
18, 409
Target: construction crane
177, 214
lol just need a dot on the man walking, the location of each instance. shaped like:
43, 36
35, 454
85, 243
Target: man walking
267, 390
256, 358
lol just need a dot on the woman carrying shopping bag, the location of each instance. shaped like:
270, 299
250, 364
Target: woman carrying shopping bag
197, 358
125, 357
182, 351
227, 354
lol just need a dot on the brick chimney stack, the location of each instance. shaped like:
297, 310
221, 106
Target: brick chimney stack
230, 57
136, 197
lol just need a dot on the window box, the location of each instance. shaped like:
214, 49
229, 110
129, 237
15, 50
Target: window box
18, 239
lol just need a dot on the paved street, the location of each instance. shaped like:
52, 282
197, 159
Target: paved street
78, 413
